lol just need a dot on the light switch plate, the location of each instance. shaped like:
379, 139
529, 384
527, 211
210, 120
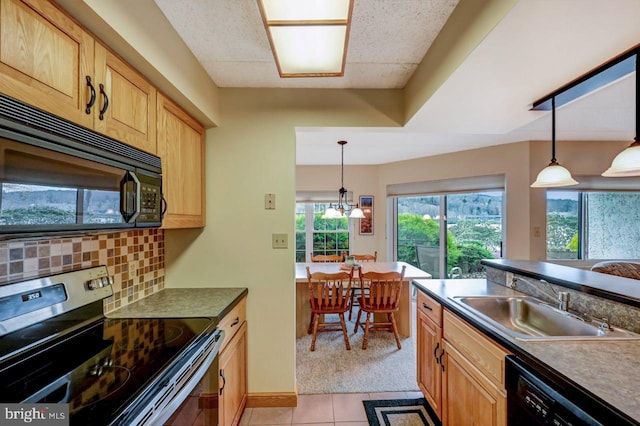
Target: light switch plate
279, 241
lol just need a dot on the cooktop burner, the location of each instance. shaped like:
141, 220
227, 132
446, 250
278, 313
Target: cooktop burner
98, 369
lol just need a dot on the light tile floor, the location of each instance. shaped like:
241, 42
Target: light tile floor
344, 409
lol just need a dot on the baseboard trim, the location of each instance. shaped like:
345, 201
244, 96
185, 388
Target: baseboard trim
272, 399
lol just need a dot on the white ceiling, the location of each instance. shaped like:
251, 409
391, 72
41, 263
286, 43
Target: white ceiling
537, 47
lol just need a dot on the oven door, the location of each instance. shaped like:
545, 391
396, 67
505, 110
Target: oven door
184, 394
200, 407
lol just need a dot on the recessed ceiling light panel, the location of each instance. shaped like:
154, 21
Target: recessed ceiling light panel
308, 39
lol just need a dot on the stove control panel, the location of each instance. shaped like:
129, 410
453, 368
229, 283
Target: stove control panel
32, 301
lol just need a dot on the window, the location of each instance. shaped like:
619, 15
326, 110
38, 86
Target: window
449, 232
322, 236
593, 225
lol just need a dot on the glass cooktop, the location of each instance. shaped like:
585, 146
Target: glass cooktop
98, 370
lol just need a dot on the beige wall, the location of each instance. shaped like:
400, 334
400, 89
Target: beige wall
361, 180
253, 153
525, 208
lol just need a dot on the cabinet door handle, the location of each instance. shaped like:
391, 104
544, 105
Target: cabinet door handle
435, 352
235, 322
440, 360
92, 100
424, 305
224, 381
105, 106
165, 206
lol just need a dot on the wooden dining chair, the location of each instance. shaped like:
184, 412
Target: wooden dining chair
365, 257
355, 290
328, 294
382, 296
326, 258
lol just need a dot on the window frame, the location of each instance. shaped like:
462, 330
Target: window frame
309, 231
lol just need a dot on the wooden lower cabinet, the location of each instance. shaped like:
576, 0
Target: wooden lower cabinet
460, 371
233, 378
429, 348
473, 381
469, 398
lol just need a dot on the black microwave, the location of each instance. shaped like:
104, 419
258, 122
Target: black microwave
57, 177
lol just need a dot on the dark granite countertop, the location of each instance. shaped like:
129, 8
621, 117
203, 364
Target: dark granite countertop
212, 303
607, 370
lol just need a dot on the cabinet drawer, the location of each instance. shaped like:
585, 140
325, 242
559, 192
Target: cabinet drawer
483, 353
232, 321
430, 308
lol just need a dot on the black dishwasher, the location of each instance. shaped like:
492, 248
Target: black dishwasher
533, 399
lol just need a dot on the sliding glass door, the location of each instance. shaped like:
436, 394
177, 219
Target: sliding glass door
447, 235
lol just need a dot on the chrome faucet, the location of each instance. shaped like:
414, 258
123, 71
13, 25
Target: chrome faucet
562, 296
563, 301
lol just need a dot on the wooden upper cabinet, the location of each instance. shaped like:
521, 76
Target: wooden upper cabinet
45, 58
181, 146
126, 111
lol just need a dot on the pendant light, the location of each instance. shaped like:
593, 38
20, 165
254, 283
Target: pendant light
343, 205
554, 175
627, 163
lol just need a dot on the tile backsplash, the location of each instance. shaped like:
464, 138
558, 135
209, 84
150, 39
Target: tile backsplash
135, 259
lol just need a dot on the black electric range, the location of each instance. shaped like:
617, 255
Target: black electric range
108, 371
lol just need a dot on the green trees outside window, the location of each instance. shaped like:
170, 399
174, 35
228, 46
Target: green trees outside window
473, 232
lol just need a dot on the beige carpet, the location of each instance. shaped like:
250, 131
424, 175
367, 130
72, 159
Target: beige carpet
331, 368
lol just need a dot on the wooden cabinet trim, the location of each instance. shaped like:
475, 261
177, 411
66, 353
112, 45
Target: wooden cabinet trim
429, 307
487, 356
233, 402
233, 321
427, 366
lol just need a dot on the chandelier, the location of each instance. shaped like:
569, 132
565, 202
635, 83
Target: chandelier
343, 205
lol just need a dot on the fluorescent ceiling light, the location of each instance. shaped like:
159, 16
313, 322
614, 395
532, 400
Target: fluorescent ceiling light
308, 38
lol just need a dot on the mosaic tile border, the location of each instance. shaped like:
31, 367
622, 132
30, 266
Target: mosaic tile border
135, 259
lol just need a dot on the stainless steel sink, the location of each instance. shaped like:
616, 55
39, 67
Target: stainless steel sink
527, 318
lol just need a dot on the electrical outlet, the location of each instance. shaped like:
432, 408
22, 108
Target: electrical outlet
133, 269
270, 201
279, 241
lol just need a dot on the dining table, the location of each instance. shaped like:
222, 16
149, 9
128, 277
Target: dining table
403, 316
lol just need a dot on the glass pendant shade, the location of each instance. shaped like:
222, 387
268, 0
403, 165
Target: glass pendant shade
357, 213
331, 213
627, 163
554, 175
